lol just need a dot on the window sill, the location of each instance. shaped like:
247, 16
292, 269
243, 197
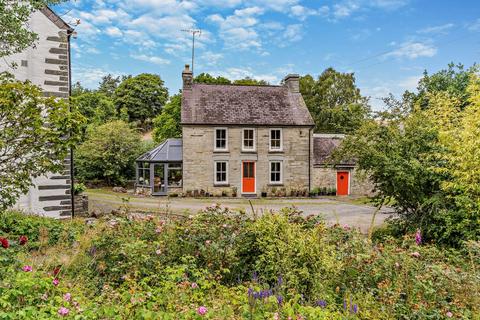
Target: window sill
249, 151
275, 151
275, 184
221, 151
221, 185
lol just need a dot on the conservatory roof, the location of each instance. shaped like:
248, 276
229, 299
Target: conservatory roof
168, 151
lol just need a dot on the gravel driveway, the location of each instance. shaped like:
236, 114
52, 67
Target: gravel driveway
342, 210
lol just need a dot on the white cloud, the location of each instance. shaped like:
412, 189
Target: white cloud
409, 83
90, 76
293, 33
442, 29
413, 50
151, 59
347, 8
113, 32
302, 13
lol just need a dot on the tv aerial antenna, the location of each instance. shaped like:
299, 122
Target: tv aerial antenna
194, 33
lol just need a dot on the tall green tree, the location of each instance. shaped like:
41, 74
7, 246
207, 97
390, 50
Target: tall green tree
334, 101
209, 79
35, 136
167, 124
15, 34
141, 97
109, 153
108, 85
96, 107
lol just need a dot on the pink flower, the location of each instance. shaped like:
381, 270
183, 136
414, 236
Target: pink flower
67, 296
27, 268
194, 285
276, 316
415, 254
55, 282
44, 296
449, 314
158, 252
202, 310
158, 230
418, 237
207, 242
63, 311
397, 265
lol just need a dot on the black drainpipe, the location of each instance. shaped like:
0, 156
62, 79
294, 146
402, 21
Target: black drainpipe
72, 174
309, 159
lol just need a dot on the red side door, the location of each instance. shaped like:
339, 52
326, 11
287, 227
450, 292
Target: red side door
248, 177
342, 183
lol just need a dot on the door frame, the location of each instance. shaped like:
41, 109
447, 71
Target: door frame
254, 174
165, 176
349, 172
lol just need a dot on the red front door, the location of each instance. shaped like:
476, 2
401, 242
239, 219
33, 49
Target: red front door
248, 177
342, 183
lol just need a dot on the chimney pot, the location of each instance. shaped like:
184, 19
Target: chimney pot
292, 82
187, 77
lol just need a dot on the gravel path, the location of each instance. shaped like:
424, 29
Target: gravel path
341, 210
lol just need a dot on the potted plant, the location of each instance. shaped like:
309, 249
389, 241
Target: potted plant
234, 192
264, 192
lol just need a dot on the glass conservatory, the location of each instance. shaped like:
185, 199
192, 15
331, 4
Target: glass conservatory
160, 169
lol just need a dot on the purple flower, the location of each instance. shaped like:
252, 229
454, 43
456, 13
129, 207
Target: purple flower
418, 237
202, 310
279, 300
344, 304
255, 276
321, 303
250, 292
55, 282
27, 268
355, 308
67, 296
194, 285
449, 314
280, 281
63, 311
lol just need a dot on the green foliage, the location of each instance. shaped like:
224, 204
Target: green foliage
36, 134
424, 159
167, 124
453, 81
108, 85
96, 107
142, 97
146, 267
109, 153
15, 34
334, 101
209, 79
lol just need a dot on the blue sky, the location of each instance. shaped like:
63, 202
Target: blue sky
387, 43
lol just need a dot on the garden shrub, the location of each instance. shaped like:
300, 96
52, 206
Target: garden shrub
221, 264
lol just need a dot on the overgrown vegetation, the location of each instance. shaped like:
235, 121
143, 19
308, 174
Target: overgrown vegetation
225, 265
423, 155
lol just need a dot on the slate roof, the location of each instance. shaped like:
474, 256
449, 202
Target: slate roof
244, 105
169, 151
55, 18
323, 147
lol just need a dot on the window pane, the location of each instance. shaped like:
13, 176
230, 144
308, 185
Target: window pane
221, 138
174, 177
221, 171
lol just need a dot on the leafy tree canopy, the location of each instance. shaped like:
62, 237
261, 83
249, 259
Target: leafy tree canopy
108, 85
167, 124
334, 101
78, 89
209, 79
95, 106
426, 161
109, 153
36, 134
15, 34
141, 97
454, 80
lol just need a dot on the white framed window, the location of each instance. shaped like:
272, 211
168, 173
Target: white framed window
276, 140
221, 172
248, 140
221, 139
276, 174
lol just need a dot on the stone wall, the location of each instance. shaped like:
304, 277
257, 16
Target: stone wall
326, 177
199, 158
46, 65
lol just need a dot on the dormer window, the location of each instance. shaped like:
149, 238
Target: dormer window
221, 139
248, 140
276, 143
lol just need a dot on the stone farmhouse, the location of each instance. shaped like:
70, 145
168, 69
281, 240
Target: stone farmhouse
47, 65
245, 141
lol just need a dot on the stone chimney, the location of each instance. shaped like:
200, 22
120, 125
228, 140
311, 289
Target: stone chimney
292, 82
187, 76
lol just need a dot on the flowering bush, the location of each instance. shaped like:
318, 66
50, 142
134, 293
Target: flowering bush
224, 265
